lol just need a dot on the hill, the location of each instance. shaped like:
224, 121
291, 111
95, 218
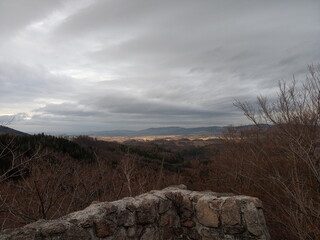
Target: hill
7, 130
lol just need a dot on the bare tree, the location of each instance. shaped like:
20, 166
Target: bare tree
15, 160
294, 119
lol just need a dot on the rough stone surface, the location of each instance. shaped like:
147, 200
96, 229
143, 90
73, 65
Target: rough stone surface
254, 219
104, 228
207, 212
172, 213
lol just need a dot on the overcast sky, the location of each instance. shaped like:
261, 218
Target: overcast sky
81, 65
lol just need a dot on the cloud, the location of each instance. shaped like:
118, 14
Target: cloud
17, 14
67, 109
21, 83
134, 64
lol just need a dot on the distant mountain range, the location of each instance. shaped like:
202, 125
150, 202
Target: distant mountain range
162, 131
7, 130
166, 131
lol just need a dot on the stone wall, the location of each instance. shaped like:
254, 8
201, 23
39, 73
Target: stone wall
172, 213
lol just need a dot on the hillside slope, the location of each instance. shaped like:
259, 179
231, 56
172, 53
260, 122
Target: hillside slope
7, 130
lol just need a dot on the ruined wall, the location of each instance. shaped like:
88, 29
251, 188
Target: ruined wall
172, 213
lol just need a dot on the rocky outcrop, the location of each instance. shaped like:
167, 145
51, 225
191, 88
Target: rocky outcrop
172, 213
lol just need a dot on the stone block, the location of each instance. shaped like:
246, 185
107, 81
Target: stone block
207, 211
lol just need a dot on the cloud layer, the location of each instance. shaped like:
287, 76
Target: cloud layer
81, 65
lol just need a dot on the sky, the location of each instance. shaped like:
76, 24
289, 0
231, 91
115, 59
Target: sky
91, 65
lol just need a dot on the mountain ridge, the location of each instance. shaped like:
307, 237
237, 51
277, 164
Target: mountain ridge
167, 131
